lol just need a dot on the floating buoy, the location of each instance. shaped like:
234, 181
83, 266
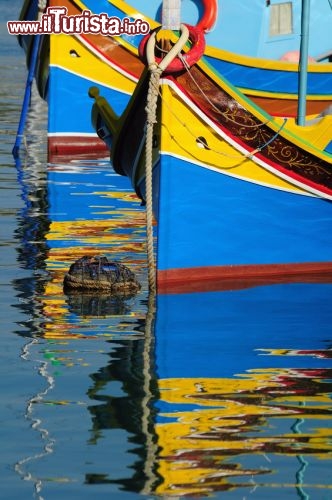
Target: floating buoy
98, 274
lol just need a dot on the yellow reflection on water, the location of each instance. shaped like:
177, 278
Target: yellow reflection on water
118, 234
205, 428
202, 448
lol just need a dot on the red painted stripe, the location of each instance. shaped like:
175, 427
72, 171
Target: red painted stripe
91, 147
107, 54
217, 278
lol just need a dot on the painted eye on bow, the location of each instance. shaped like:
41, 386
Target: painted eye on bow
73, 53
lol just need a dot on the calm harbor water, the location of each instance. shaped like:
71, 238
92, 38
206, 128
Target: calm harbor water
225, 394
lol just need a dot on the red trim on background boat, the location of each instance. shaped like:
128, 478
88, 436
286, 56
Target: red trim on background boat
90, 147
218, 278
105, 53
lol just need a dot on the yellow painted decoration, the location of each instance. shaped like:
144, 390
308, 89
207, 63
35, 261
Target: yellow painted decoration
186, 133
71, 54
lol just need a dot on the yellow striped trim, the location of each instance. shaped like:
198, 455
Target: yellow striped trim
88, 65
260, 63
183, 123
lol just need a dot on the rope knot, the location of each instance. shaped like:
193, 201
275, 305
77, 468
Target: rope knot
154, 68
156, 71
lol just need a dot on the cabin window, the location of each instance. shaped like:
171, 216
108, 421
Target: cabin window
281, 19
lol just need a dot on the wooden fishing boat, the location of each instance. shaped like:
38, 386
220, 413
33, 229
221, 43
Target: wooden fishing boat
67, 65
263, 61
236, 192
64, 70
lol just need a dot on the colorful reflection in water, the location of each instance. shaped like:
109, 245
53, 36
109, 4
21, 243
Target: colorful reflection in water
228, 393
244, 401
86, 216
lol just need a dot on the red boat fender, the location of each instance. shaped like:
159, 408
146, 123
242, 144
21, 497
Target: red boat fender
196, 36
209, 18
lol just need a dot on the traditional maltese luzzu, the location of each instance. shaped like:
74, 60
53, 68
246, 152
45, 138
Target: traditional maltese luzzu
262, 62
238, 177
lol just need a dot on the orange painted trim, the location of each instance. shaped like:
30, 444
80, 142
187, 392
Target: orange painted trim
276, 106
218, 278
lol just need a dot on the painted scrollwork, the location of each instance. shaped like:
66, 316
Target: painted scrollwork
245, 127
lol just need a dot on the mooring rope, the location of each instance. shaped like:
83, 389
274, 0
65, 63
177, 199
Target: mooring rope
42, 5
151, 114
156, 71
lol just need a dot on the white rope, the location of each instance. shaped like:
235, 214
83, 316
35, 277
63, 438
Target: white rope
42, 5
172, 54
151, 111
41, 8
171, 14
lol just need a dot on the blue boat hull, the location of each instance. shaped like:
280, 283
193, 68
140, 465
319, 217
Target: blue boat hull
75, 127
210, 219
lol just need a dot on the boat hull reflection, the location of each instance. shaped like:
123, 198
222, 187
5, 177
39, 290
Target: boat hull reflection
243, 379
